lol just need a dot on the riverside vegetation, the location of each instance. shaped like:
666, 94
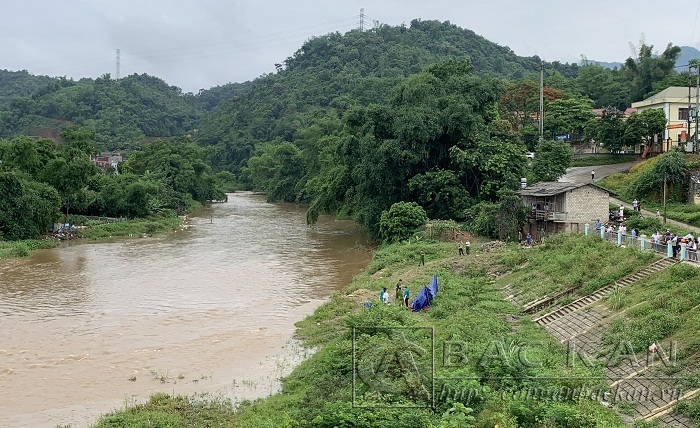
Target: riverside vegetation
44, 182
469, 309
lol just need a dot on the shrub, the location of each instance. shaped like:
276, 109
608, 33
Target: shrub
402, 221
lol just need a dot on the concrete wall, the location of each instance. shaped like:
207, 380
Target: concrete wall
586, 204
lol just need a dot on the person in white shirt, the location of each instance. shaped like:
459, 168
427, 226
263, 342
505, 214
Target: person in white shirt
622, 229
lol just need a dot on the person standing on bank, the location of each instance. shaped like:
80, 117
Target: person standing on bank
421, 262
398, 291
461, 250
592, 175
406, 295
467, 246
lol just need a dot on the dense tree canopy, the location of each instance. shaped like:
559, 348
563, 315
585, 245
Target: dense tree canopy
41, 179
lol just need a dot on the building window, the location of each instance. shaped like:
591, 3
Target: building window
683, 113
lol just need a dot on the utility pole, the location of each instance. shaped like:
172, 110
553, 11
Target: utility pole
697, 106
541, 100
690, 108
362, 19
118, 64
665, 175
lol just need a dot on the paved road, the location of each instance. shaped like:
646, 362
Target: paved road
582, 174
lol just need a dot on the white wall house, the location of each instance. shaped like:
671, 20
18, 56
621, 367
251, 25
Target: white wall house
675, 103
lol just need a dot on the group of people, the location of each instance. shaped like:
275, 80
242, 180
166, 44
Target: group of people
467, 248
403, 294
676, 241
637, 205
622, 228
527, 239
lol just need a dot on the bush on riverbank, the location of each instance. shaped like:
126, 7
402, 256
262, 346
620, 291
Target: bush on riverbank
164, 411
129, 228
94, 230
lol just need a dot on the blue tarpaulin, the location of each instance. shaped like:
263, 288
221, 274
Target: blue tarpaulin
425, 296
433, 286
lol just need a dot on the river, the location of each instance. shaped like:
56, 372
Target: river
88, 327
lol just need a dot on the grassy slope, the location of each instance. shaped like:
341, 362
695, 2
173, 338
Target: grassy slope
565, 263
469, 308
663, 308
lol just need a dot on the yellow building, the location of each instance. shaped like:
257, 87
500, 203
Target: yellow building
675, 103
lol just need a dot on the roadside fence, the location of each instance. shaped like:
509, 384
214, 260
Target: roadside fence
645, 243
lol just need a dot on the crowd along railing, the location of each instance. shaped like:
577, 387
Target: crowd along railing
644, 243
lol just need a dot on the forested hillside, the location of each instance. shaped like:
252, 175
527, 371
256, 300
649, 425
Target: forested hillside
124, 113
19, 84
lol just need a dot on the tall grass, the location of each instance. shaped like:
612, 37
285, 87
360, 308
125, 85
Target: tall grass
137, 227
9, 249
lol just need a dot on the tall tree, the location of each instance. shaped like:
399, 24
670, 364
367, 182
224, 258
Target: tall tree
567, 116
643, 126
607, 130
647, 69
552, 158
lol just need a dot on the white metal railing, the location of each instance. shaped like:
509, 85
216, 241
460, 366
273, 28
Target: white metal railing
636, 242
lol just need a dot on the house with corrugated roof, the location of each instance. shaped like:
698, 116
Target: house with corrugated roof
677, 102
564, 207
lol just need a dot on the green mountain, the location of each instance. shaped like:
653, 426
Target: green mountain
19, 84
123, 113
328, 74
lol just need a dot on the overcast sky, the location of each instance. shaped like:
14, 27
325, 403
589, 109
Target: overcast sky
197, 44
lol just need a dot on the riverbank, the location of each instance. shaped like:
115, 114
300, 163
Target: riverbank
11, 249
95, 230
481, 351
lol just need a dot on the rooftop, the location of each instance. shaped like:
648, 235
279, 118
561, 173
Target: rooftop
549, 188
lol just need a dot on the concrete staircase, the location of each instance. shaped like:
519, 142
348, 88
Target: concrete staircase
599, 294
583, 323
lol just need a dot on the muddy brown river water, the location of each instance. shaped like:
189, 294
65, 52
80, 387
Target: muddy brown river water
88, 327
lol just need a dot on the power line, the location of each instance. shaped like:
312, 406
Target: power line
281, 38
